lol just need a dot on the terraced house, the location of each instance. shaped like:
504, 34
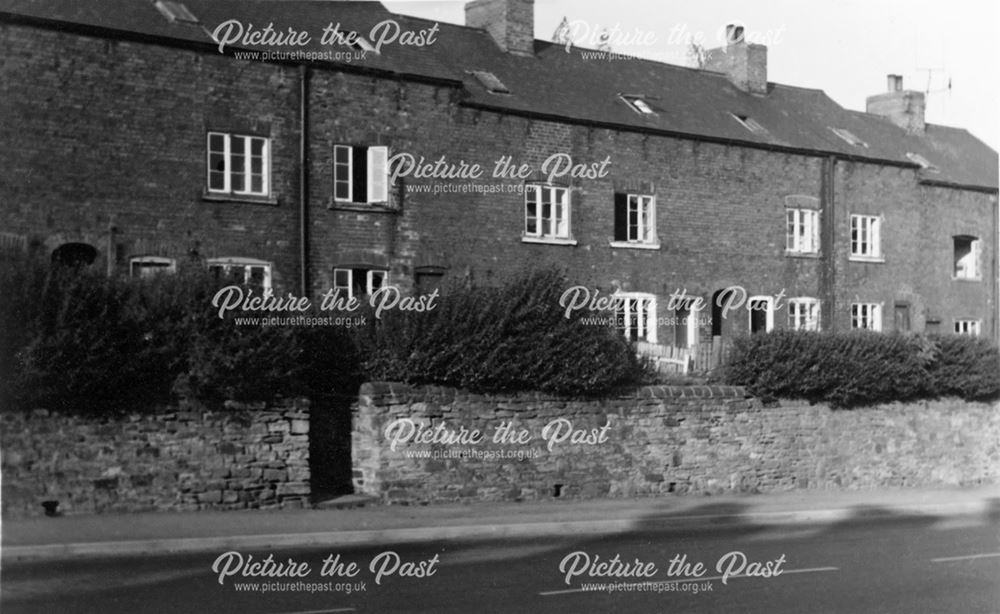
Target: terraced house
333, 149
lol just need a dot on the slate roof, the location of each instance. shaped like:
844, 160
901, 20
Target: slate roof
693, 103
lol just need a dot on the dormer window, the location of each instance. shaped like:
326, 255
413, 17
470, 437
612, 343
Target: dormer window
361, 44
638, 104
490, 81
848, 137
750, 124
924, 163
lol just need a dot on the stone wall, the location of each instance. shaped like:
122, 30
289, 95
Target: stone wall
180, 458
659, 440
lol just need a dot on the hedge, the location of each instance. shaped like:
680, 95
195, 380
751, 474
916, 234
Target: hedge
507, 338
862, 367
77, 340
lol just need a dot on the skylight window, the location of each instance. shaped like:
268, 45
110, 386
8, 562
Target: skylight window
490, 81
361, 44
175, 11
849, 137
638, 104
750, 124
922, 161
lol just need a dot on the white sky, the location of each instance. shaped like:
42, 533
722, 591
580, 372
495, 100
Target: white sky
845, 48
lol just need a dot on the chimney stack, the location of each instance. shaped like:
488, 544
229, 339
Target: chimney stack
511, 23
905, 108
744, 63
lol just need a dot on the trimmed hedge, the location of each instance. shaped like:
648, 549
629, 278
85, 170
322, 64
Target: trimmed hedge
76, 340
509, 338
861, 367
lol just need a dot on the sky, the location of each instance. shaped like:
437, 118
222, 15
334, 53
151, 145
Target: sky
845, 48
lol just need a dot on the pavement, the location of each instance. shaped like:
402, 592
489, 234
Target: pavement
106, 535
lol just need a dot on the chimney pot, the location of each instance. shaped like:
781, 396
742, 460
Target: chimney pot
744, 63
895, 83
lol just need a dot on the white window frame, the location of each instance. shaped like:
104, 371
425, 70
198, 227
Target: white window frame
769, 312
247, 264
866, 237
642, 305
866, 316
638, 104
802, 231
227, 155
968, 267
804, 313
560, 218
159, 266
377, 174
972, 328
371, 275
646, 225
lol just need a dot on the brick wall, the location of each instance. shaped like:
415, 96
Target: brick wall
179, 458
695, 439
104, 134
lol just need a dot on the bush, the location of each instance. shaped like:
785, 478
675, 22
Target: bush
79, 340
508, 338
861, 367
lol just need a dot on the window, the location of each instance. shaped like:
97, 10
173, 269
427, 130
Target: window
635, 219
751, 124
635, 316
490, 81
546, 212
967, 327
966, 257
238, 164
803, 314
849, 137
867, 316
242, 271
901, 316
175, 11
358, 282
802, 231
148, 266
866, 239
924, 163
761, 314
360, 174
638, 104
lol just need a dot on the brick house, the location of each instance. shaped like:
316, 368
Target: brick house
136, 143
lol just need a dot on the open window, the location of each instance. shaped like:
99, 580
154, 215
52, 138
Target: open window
360, 174
966, 257
358, 282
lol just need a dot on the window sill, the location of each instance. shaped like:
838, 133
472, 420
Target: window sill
967, 279
548, 240
340, 205
228, 197
812, 255
631, 245
875, 259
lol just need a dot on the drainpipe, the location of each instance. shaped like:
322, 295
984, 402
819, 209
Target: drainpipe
303, 180
828, 263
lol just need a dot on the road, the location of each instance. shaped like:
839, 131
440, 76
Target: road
904, 564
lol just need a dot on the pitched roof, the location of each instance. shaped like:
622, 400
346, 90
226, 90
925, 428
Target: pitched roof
562, 85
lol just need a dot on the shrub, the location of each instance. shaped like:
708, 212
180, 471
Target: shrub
508, 338
79, 340
861, 367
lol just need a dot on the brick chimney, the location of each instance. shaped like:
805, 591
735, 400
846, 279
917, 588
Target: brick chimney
744, 63
905, 108
511, 23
